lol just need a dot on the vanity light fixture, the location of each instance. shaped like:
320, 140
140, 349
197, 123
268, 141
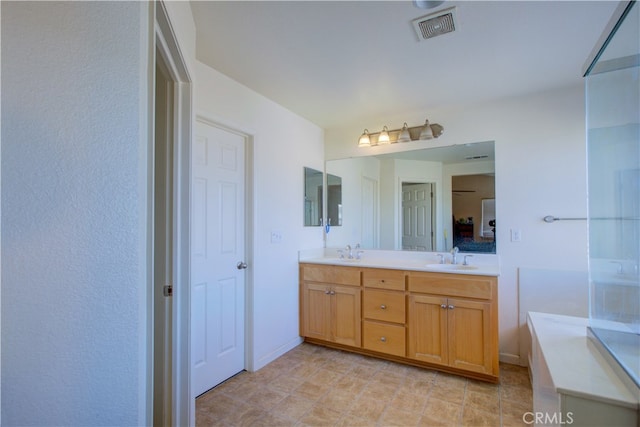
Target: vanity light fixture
405, 134
383, 138
364, 140
427, 132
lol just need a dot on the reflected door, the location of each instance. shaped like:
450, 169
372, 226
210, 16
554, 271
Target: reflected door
417, 217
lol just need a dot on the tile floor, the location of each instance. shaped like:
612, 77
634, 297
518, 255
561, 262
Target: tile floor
317, 386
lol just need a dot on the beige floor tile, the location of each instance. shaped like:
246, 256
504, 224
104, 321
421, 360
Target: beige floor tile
472, 416
320, 415
311, 391
368, 408
515, 421
516, 393
285, 383
440, 412
488, 401
351, 420
218, 405
351, 384
293, 407
248, 417
318, 386
265, 398
394, 416
515, 409
379, 390
339, 401
449, 392
408, 401
416, 386
324, 377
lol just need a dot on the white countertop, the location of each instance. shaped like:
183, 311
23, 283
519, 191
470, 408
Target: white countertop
576, 366
480, 264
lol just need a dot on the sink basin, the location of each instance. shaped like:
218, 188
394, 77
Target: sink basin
451, 267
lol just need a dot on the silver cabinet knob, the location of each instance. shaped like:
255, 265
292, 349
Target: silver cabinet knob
327, 292
334, 292
443, 305
241, 265
450, 307
384, 307
383, 339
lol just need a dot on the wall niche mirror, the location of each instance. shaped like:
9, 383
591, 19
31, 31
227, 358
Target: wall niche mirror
405, 200
313, 181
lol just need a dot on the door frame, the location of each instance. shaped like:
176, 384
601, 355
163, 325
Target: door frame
164, 43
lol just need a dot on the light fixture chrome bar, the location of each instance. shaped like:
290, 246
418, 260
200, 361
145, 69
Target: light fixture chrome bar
394, 134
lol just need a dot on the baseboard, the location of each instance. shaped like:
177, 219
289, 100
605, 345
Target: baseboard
268, 358
512, 359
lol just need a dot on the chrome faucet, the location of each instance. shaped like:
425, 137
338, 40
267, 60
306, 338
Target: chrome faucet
454, 255
466, 261
350, 256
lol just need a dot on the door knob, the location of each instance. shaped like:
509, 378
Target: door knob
241, 265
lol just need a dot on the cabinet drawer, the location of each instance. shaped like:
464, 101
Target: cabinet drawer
330, 274
382, 305
456, 285
384, 338
383, 279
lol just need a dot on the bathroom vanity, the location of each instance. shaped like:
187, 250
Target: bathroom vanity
414, 311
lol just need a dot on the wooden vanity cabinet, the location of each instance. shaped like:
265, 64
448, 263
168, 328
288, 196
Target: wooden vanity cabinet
383, 310
453, 321
438, 320
331, 303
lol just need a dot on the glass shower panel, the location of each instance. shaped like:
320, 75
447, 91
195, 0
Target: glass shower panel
613, 150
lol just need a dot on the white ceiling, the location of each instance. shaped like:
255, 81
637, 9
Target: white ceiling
342, 63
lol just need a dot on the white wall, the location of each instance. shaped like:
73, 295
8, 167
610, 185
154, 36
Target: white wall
74, 173
540, 170
283, 144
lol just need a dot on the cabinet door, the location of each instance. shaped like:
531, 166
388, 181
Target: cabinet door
470, 337
346, 315
316, 311
428, 329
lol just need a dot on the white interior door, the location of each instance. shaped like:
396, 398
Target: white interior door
217, 246
417, 217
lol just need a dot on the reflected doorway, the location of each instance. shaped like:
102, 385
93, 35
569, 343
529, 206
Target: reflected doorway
473, 210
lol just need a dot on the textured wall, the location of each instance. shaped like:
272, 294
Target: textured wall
73, 219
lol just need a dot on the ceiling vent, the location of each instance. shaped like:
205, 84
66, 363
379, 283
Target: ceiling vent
436, 24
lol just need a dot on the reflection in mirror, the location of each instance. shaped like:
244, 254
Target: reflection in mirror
417, 216
334, 200
312, 197
372, 193
473, 207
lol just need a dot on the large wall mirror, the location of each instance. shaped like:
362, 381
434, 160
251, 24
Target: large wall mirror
405, 200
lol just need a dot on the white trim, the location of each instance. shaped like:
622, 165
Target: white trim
183, 408
512, 359
147, 73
